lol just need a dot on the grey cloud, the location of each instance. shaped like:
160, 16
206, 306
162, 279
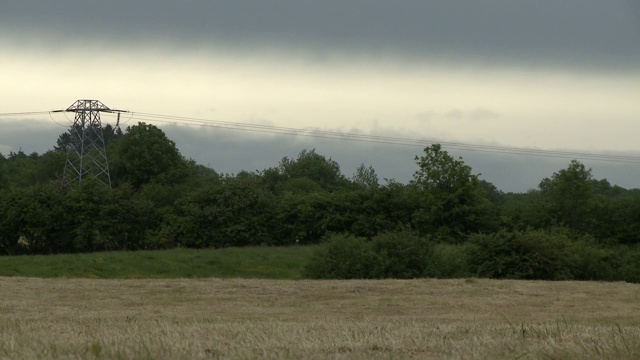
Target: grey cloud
571, 33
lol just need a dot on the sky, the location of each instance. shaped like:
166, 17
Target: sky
545, 74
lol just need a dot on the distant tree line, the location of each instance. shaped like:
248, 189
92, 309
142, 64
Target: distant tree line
446, 222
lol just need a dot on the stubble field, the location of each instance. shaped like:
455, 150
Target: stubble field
281, 319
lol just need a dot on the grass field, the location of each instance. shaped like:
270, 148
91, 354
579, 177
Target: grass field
248, 262
276, 319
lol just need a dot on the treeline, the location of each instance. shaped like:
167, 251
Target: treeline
572, 226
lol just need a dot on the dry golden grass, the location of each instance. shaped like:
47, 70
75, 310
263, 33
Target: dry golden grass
276, 319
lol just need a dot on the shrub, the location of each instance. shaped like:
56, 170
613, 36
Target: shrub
595, 262
342, 257
449, 261
403, 254
630, 264
523, 255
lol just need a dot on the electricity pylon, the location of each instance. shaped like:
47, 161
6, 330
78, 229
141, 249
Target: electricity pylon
86, 153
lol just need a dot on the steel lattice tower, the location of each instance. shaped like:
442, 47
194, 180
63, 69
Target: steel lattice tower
86, 153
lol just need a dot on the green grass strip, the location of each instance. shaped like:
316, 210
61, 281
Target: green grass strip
249, 262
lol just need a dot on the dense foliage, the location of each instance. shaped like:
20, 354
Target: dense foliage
446, 222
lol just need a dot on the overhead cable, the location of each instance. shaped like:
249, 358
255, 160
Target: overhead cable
24, 113
380, 139
377, 139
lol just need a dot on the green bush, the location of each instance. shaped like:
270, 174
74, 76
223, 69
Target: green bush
342, 257
595, 262
523, 255
403, 254
629, 264
450, 261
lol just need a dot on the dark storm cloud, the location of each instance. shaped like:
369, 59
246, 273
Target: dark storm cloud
568, 32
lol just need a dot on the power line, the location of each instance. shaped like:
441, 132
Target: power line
380, 139
54, 120
24, 113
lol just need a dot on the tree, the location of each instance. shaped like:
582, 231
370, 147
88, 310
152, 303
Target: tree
3, 180
272, 178
492, 193
34, 220
238, 212
304, 216
366, 177
69, 139
144, 154
11, 220
325, 172
525, 211
569, 193
22, 170
617, 220
452, 199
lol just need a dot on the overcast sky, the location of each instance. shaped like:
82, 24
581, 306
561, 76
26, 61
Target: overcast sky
546, 74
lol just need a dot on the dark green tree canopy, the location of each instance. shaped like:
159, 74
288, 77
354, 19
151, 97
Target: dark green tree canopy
22, 170
366, 177
144, 154
69, 139
569, 193
309, 164
439, 171
453, 202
